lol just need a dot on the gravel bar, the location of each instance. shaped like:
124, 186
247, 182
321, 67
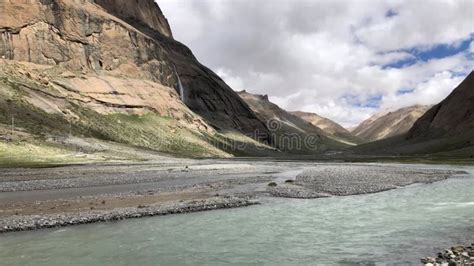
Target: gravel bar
345, 180
33, 222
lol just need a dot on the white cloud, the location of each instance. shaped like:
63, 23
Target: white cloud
234, 82
429, 92
312, 55
420, 24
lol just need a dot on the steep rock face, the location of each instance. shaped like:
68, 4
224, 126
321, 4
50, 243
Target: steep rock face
45, 89
206, 93
126, 38
328, 126
453, 116
60, 108
79, 35
390, 124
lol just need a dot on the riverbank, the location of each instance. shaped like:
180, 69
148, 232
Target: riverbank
52, 197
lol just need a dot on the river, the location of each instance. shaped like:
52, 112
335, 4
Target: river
397, 226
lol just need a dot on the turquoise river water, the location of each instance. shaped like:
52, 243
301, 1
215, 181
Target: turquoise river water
393, 227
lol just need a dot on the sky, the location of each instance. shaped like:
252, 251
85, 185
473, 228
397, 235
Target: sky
344, 60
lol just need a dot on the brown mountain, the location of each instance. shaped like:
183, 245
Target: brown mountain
120, 36
104, 68
446, 129
384, 125
329, 127
448, 126
453, 116
285, 126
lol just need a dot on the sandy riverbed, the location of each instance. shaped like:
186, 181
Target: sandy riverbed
50, 197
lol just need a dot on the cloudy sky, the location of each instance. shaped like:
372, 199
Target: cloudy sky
344, 60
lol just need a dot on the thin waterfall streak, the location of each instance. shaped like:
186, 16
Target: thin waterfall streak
180, 85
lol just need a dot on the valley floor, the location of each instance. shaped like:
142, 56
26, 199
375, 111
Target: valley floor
61, 196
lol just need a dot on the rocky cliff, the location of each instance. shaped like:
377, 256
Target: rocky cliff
111, 70
126, 38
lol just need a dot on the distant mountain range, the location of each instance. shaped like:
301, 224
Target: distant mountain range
446, 129
388, 124
283, 125
330, 127
102, 80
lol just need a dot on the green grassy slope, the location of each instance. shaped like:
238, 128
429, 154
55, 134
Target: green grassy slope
43, 137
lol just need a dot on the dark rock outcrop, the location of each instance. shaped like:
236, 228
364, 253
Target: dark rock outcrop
453, 116
444, 131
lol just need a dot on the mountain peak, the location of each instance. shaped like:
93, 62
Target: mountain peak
145, 12
261, 97
328, 126
389, 123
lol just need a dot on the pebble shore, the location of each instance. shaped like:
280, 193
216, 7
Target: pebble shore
458, 255
33, 222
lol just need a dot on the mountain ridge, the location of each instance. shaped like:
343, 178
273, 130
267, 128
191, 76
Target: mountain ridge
446, 130
284, 126
453, 115
389, 123
328, 126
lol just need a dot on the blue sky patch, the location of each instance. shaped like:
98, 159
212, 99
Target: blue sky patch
404, 91
401, 64
372, 102
436, 52
459, 74
391, 13
356, 101
442, 50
